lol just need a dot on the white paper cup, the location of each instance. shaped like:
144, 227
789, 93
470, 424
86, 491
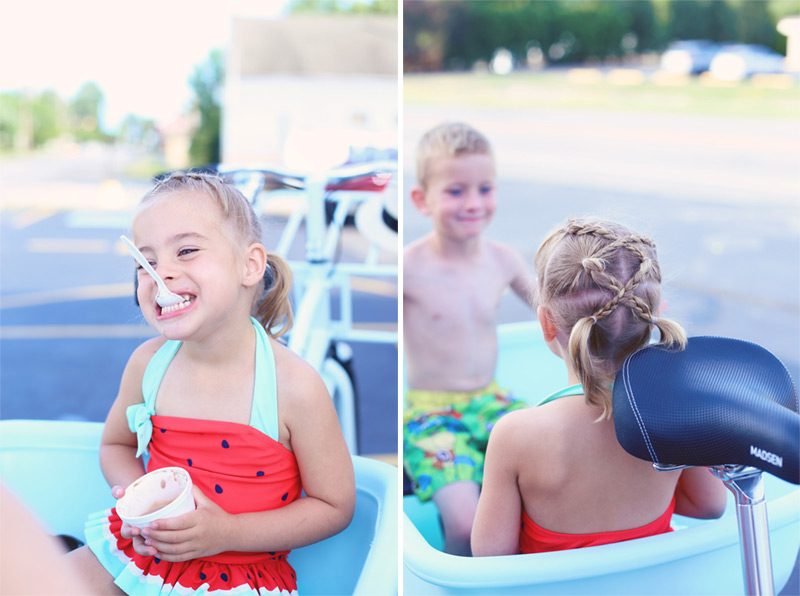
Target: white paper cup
166, 492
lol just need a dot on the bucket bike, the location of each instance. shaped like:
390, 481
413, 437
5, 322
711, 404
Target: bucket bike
324, 202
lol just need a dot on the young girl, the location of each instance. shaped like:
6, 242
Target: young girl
559, 467
217, 395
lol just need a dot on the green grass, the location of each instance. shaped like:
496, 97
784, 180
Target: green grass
558, 90
144, 168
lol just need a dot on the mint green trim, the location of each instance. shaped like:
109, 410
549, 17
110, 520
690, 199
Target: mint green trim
264, 409
567, 391
264, 412
155, 371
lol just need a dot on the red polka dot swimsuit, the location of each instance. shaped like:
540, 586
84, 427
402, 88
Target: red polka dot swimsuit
241, 468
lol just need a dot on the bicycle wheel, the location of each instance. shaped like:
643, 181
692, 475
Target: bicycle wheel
338, 377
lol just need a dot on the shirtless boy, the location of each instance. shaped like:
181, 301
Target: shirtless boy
453, 279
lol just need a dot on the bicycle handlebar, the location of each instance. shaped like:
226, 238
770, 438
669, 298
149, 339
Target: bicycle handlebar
335, 178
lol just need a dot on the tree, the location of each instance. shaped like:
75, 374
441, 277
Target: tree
140, 132
338, 6
712, 19
423, 35
597, 29
723, 24
757, 25
644, 24
49, 117
85, 113
9, 120
207, 81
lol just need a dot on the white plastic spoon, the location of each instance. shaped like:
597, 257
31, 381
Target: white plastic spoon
164, 297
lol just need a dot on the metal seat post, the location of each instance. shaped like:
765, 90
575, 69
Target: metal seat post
747, 486
721, 403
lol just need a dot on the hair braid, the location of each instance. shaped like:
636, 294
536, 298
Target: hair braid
588, 269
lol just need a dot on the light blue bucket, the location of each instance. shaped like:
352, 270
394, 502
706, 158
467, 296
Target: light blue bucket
700, 557
43, 458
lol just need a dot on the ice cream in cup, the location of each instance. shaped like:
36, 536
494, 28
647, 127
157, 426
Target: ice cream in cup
166, 492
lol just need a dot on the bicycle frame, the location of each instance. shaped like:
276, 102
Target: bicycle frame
320, 276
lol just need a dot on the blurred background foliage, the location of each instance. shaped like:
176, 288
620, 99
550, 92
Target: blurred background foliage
207, 84
457, 34
344, 6
31, 119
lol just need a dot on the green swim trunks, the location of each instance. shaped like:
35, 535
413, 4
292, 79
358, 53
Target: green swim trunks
445, 434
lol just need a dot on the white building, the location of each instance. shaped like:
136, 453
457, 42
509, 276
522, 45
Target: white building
293, 81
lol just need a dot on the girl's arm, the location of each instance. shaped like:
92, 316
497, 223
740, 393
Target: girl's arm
700, 494
497, 521
327, 475
118, 444
326, 469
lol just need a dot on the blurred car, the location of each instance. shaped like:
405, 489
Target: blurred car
739, 61
688, 57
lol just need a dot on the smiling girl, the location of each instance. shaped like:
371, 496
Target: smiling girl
217, 395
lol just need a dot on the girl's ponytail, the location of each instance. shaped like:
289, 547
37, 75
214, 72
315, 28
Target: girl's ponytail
583, 362
274, 308
672, 333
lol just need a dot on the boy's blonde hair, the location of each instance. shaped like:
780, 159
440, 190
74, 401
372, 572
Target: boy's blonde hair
448, 139
601, 284
272, 306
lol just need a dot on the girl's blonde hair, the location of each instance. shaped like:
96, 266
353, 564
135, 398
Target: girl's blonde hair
272, 306
601, 284
449, 139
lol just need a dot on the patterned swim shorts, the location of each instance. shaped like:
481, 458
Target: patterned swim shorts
445, 435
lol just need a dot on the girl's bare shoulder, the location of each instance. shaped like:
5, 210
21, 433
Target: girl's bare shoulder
144, 352
297, 379
515, 428
531, 428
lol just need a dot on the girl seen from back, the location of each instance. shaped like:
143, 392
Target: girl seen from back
558, 468
217, 395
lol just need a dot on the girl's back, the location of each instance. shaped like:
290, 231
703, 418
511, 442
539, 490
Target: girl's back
559, 467
576, 479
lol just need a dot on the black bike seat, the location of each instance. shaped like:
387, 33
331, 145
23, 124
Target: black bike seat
719, 402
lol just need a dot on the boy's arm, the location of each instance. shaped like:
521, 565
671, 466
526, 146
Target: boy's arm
523, 281
497, 521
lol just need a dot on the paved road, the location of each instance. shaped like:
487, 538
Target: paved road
68, 321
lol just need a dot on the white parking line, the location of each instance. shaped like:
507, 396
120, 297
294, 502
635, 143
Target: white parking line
74, 331
67, 295
117, 331
29, 217
68, 245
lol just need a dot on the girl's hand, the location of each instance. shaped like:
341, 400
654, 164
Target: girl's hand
199, 533
137, 541
132, 532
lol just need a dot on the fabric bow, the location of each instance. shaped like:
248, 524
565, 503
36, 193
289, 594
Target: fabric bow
140, 423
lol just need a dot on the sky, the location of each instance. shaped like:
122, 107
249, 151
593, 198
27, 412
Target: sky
141, 54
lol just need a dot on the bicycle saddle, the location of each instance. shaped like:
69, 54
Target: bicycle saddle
718, 402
